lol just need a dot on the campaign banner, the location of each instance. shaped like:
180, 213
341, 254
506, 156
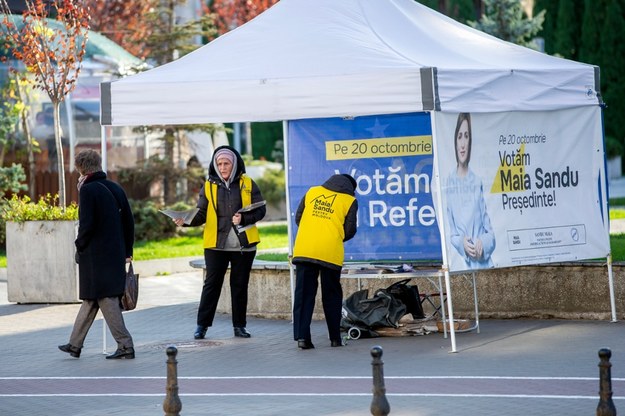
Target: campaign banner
390, 157
521, 188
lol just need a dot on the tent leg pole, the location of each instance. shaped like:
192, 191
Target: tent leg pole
104, 163
611, 283
291, 274
477, 309
450, 310
104, 328
285, 135
103, 147
442, 298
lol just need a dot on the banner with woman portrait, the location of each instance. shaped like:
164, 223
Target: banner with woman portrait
521, 188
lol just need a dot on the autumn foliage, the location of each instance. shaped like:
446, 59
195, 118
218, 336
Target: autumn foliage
50, 39
52, 52
125, 22
233, 13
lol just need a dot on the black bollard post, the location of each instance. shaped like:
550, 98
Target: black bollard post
172, 404
606, 405
379, 404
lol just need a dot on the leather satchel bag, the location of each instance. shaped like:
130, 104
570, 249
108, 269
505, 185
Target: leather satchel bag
131, 291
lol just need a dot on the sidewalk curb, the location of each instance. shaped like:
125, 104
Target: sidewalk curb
160, 267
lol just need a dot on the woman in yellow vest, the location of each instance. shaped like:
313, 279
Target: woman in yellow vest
326, 217
230, 237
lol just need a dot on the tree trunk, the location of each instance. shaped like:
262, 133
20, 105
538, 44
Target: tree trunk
478, 5
59, 153
32, 192
169, 181
442, 6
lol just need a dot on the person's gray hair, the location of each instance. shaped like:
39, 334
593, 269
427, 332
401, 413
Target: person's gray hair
88, 161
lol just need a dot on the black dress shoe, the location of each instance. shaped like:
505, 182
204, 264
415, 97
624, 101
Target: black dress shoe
335, 343
241, 332
200, 332
305, 344
70, 349
122, 353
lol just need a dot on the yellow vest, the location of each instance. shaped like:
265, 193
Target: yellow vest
210, 229
320, 234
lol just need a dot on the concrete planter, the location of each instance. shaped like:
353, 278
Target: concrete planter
40, 262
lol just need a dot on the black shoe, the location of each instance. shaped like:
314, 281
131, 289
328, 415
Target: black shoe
305, 344
241, 332
122, 353
70, 349
200, 332
335, 343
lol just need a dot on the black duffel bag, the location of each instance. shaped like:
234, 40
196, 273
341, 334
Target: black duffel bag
382, 310
409, 296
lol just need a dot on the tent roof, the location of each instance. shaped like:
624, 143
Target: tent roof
328, 58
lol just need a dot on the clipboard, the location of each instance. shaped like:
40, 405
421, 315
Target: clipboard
252, 207
186, 216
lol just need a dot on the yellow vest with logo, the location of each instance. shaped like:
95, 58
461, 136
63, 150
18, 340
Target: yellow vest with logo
210, 229
320, 234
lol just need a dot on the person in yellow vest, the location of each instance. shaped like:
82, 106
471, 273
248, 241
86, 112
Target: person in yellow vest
230, 236
326, 218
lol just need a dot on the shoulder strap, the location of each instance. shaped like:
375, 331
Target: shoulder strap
113, 195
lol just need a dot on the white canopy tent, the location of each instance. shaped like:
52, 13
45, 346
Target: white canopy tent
306, 59
326, 58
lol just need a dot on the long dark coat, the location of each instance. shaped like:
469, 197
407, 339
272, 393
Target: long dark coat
105, 237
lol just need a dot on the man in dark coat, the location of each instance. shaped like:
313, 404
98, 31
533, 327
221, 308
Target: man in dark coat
103, 247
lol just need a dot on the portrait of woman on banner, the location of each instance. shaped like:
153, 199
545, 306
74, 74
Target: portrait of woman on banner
470, 230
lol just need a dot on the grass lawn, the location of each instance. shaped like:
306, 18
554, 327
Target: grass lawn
190, 244
275, 236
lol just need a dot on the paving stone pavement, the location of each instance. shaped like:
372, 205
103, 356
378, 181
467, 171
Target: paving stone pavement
512, 367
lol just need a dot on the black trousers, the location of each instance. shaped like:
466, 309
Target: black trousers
216, 267
304, 303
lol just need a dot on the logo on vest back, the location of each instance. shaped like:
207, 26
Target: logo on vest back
322, 206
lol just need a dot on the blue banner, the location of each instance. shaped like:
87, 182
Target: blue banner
391, 157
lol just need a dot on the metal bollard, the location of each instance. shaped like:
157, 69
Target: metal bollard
606, 405
172, 404
379, 404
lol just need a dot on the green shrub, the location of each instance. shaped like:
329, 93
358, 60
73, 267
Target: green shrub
137, 181
23, 209
12, 178
613, 147
150, 224
273, 186
46, 209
